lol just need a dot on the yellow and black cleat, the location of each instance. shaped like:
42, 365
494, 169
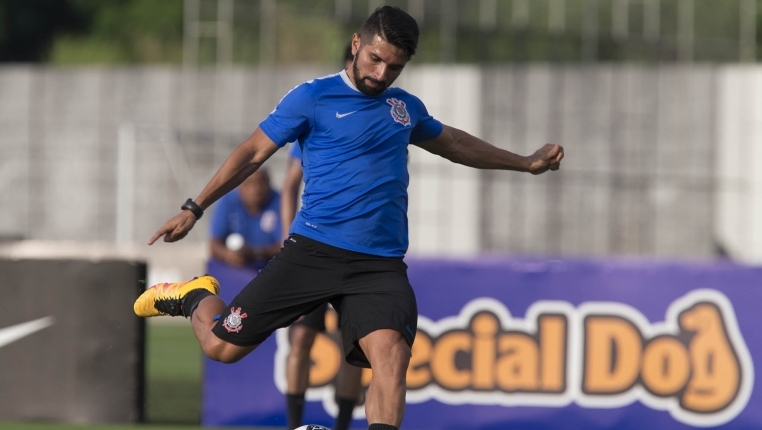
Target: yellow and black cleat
167, 299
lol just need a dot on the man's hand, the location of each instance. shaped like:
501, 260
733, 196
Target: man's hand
235, 258
176, 228
546, 158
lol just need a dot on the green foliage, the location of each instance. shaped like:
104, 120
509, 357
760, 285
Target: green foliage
67, 50
91, 31
304, 39
137, 31
151, 31
28, 27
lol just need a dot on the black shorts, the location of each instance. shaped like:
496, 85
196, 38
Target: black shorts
368, 292
315, 319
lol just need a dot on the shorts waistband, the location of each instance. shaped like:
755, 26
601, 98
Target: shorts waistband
334, 250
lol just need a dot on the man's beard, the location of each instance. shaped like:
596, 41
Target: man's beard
360, 82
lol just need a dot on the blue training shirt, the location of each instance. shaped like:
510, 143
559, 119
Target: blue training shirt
354, 158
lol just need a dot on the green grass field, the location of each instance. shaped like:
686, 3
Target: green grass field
173, 375
173, 384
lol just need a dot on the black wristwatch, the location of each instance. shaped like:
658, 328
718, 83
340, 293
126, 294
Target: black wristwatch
190, 205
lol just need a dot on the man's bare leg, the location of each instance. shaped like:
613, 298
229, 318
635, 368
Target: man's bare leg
348, 390
389, 356
215, 348
197, 299
298, 371
298, 360
349, 381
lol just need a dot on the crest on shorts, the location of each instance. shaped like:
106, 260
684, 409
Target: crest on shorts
234, 322
399, 113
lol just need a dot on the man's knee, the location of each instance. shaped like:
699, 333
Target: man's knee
386, 348
399, 353
224, 352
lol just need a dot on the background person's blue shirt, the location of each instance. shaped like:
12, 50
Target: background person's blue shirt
354, 157
295, 151
230, 216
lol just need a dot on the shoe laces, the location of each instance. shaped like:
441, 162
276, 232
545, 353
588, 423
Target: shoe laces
171, 306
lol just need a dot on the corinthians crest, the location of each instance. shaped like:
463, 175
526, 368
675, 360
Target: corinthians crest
234, 322
399, 113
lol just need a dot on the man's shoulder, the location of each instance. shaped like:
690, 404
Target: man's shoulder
317, 86
399, 93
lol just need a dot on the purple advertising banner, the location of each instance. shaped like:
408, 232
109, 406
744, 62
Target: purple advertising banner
540, 344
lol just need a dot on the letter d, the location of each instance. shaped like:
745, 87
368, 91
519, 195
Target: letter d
613, 348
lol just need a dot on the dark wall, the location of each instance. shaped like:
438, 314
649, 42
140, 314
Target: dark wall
71, 348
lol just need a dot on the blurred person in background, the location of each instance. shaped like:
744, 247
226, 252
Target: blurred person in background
347, 243
246, 225
302, 333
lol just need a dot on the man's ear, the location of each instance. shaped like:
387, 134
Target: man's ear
356, 42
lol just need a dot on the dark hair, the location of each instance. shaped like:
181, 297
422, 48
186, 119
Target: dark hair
348, 53
394, 26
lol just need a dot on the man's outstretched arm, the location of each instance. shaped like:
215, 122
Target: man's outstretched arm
462, 148
242, 162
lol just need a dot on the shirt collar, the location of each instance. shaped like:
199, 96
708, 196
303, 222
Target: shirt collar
347, 81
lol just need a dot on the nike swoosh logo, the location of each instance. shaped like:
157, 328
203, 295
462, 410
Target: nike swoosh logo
15, 332
342, 115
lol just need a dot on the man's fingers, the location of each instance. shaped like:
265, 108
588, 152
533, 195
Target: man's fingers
552, 151
555, 155
547, 158
165, 231
175, 234
155, 236
171, 236
173, 230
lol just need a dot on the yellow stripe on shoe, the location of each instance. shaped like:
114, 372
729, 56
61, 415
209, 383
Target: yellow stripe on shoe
167, 299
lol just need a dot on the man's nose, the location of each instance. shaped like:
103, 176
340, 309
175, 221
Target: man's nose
380, 73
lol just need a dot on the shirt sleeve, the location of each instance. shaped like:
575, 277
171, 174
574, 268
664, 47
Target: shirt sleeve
291, 118
218, 225
426, 128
